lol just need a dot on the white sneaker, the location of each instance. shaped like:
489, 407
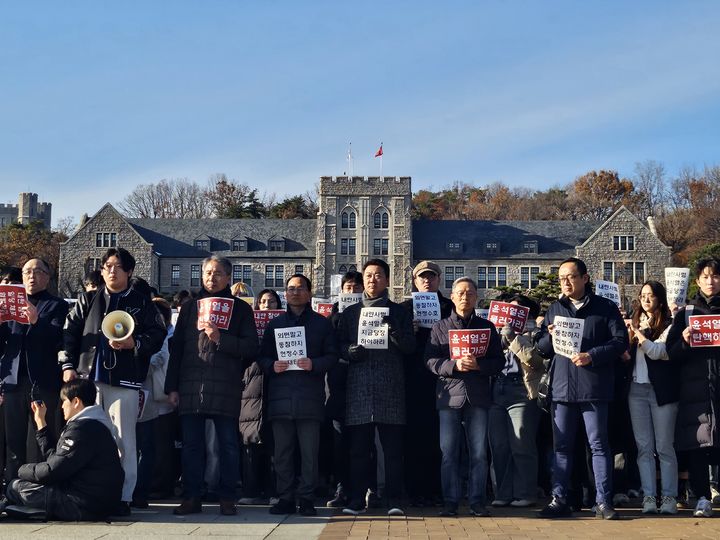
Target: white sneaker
649, 505
703, 508
395, 511
668, 506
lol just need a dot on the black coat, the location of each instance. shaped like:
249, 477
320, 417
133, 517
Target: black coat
455, 388
41, 341
213, 383
82, 335
299, 394
696, 425
605, 337
85, 464
252, 408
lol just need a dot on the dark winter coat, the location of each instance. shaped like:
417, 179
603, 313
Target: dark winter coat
82, 336
605, 338
455, 388
336, 379
252, 407
41, 343
299, 394
698, 383
376, 384
209, 376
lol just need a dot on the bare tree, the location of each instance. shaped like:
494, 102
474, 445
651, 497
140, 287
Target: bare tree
651, 184
175, 198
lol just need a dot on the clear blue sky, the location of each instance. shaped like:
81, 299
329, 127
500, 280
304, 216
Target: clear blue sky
97, 97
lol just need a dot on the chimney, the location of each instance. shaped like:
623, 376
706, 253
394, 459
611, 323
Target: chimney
651, 225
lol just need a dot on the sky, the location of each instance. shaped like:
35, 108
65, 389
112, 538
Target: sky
97, 97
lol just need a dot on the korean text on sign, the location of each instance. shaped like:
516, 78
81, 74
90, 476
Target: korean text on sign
609, 290
472, 341
426, 308
704, 330
567, 335
504, 314
346, 300
372, 333
676, 283
322, 306
12, 299
262, 318
290, 345
216, 310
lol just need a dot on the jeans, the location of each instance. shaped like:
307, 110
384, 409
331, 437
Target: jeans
513, 423
566, 417
474, 420
193, 454
654, 430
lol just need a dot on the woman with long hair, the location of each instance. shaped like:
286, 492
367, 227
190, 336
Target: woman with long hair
653, 397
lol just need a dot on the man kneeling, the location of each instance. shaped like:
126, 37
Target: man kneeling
81, 479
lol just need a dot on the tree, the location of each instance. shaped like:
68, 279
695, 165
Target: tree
20, 243
232, 199
175, 198
292, 208
598, 194
651, 185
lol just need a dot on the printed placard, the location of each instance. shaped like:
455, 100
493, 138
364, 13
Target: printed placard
482, 312
345, 300
263, 318
323, 306
290, 345
216, 310
609, 290
372, 333
504, 314
676, 284
12, 299
704, 330
567, 335
283, 299
473, 341
426, 308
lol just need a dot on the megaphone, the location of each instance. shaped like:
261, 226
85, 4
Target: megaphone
118, 325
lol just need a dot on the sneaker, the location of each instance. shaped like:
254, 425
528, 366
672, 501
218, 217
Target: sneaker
339, 499
556, 509
354, 508
228, 508
606, 511
649, 505
522, 503
253, 501
450, 510
307, 508
273, 500
283, 506
372, 500
479, 510
668, 506
497, 503
715, 495
703, 508
395, 511
188, 506
620, 499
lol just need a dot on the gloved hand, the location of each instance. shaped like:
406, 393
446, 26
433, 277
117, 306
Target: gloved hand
387, 319
357, 353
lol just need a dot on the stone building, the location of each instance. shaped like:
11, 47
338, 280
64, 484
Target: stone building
26, 211
360, 218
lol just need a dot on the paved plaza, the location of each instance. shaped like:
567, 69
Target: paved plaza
254, 523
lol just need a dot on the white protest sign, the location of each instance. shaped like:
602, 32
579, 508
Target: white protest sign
676, 283
372, 333
426, 308
482, 312
567, 335
290, 345
345, 300
283, 299
609, 290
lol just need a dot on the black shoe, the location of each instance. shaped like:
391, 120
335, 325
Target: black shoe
354, 508
339, 500
606, 511
307, 508
450, 510
283, 506
556, 509
188, 506
122, 510
372, 500
139, 503
479, 510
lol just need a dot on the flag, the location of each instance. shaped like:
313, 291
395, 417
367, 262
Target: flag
379, 153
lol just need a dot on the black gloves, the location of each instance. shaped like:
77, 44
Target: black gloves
357, 353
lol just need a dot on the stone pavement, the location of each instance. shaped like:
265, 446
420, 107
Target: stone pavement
254, 523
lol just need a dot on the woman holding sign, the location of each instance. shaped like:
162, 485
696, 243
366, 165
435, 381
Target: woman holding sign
693, 342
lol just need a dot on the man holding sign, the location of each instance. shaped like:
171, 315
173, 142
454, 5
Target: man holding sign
214, 342
697, 430
298, 349
464, 352
591, 334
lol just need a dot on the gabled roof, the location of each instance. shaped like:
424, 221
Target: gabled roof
106, 208
175, 237
622, 210
556, 239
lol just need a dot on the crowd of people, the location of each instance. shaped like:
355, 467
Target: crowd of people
367, 407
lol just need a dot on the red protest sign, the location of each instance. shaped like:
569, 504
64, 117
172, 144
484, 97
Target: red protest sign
12, 299
324, 309
262, 318
473, 342
216, 310
704, 330
503, 314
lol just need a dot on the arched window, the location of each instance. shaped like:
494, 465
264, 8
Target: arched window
352, 220
344, 220
376, 220
384, 220
352, 268
343, 269
381, 220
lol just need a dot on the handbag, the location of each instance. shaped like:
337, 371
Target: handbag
544, 397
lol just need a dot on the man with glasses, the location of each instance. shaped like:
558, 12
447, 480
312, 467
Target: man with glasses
28, 367
117, 366
296, 395
582, 385
209, 355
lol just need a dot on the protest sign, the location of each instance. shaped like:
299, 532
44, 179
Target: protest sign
322, 306
262, 318
372, 333
472, 341
676, 284
567, 335
704, 330
426, 308
12, 299
346, 300
290, 345
504, 314
609, 290
215, 309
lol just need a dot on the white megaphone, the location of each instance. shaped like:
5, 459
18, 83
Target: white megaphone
117, 325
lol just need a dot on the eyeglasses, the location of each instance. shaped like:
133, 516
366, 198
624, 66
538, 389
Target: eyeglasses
110, 268
34, 272
569, 277
293, 290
